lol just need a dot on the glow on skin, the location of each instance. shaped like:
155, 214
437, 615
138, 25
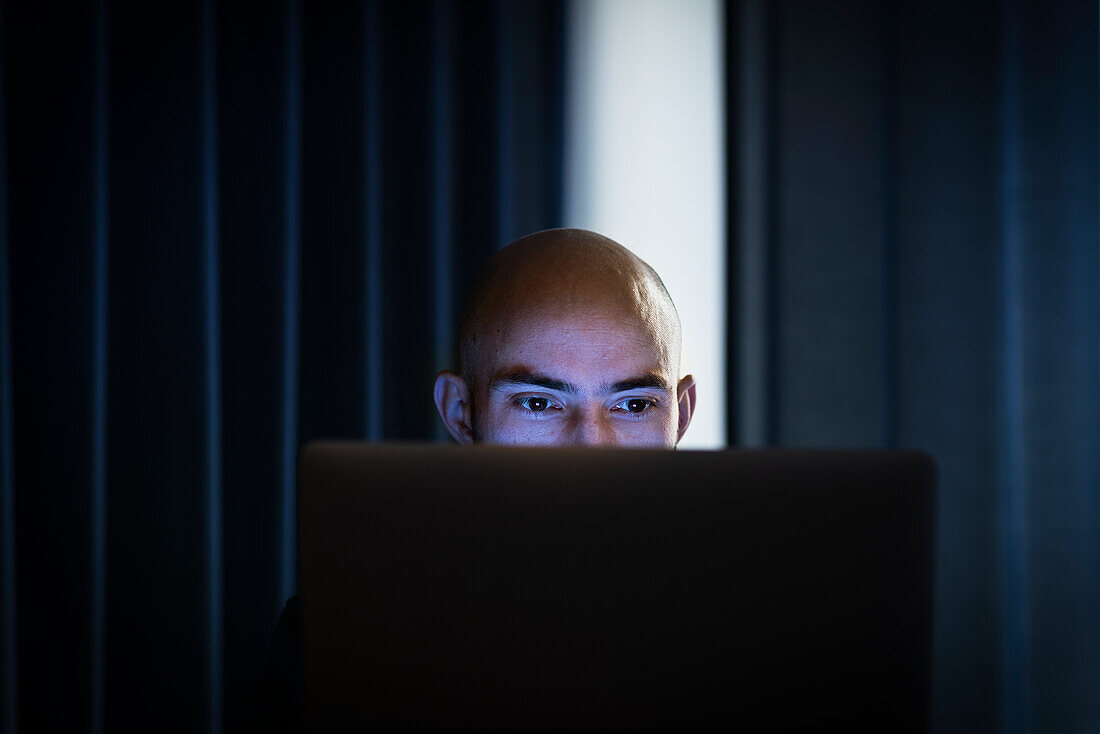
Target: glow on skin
570, 340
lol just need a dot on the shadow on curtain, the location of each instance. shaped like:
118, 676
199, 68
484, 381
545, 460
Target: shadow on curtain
219, 218
914, 213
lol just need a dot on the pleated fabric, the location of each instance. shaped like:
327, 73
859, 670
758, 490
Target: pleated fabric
228, 229
916, 262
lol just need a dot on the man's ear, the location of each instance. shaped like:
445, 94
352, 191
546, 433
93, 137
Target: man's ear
452, 400
685, 397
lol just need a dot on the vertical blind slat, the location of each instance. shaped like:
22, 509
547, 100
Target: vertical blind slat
747, 113
372, 163
773, 317
8, 673
441, 183
1015, 691
505, 193
101, 254
212, 375
442, 229
292, 232
888, 347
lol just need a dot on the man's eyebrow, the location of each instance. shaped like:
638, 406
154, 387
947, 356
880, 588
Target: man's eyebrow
637, 383
523, 377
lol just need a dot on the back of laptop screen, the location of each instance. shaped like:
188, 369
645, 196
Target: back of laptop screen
544, 589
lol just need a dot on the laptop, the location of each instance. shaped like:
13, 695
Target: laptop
507, 589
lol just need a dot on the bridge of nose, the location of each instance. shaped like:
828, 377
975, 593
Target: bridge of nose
591, 426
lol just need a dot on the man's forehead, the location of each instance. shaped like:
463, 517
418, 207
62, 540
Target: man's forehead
579, 358
536, 319
521, 375
594, 343
558, 328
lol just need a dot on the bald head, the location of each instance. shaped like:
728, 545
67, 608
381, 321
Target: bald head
563, 272
567, 338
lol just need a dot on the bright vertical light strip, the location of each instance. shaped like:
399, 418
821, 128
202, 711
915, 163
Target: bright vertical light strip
645, 159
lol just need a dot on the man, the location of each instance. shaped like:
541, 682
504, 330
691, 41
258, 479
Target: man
567, 338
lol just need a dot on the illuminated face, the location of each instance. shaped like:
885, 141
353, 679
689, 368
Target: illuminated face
557, 377
567, 339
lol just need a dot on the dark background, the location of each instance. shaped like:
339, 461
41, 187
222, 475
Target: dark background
227, 228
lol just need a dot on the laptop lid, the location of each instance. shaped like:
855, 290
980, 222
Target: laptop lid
543, 589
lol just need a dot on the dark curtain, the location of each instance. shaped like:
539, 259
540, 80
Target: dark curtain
227, 228
916, 262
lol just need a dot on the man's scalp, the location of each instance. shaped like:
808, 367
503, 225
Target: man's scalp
565, 269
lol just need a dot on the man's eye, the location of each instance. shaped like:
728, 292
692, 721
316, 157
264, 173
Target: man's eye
635, 405
535, 405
